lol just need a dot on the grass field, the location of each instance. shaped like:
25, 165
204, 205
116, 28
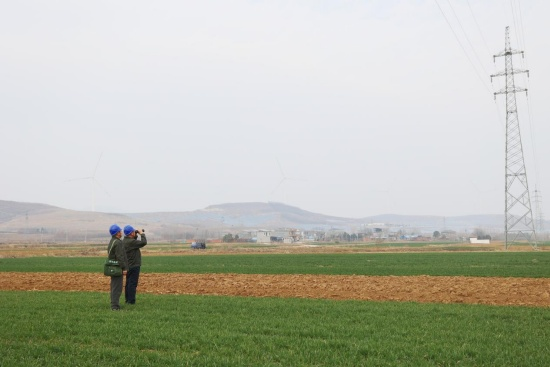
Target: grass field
76, 328
502, 264
73, 329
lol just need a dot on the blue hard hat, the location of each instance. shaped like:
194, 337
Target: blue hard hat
128, 229
114, 229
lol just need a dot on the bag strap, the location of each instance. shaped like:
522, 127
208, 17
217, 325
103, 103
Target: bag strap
111, 246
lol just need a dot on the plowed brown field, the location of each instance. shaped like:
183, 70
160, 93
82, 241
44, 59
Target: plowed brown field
444, 289
436, 289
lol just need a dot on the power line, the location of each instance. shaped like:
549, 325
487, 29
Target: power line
467, 38
462, 46
533, 142
497, 107
520, 32
514, 19
520, 36
478, 27
500, 119
521, 26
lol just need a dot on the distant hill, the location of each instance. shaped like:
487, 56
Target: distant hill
46, 221
37, 222
457, 223
277, 215
11, 209
248, 215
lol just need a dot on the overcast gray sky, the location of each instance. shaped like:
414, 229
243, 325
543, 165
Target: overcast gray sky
368, 107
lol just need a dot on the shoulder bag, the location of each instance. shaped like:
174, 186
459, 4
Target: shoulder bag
112, 267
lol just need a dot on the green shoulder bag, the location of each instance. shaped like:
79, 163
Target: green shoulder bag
112, 267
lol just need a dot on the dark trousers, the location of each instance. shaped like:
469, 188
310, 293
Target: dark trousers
132, 279
116, 291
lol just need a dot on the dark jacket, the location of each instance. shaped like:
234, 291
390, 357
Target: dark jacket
117, 253
132, 247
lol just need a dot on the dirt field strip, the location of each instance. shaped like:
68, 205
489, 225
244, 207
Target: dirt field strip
427, 289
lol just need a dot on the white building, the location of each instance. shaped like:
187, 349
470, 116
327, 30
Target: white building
278, 236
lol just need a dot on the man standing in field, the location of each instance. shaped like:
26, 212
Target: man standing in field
116, 252
132, 247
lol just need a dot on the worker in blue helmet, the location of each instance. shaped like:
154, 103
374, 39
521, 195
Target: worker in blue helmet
132, 246
116, 252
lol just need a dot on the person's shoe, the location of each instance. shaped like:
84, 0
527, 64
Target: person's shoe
115, 309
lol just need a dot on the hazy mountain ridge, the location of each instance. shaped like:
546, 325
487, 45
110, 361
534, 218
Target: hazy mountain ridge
247, 215
452, 222
226, 217
11, 209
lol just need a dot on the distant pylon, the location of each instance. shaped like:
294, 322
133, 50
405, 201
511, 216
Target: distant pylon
518, 216
538, 211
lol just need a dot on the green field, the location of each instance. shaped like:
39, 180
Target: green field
74, 329
502, 264
77, 328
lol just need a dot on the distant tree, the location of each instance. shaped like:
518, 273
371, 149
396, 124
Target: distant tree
437, 234
484, 237
236, 239
479, 233
227, 238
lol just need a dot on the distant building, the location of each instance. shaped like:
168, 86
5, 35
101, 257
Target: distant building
263, 236
476, 240
278, 236
448, 235
313, 236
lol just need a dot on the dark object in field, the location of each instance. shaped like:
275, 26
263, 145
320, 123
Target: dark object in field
198, 245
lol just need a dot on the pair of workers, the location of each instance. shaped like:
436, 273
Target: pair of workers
127, 252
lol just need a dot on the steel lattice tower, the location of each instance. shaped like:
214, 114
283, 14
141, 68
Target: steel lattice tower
538, 212
518, 216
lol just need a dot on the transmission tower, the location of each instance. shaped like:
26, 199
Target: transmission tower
518, 216
538, 211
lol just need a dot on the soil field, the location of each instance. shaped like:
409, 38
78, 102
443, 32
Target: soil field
434, 289
426, 289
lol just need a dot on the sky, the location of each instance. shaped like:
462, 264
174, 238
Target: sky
345, 108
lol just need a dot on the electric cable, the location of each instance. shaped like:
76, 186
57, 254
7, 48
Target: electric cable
515, 23
463, 49
499, 114
479, 28
500, 119
520, 37
467, 38
533, 142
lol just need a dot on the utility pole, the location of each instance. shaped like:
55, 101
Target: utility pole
518, 216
